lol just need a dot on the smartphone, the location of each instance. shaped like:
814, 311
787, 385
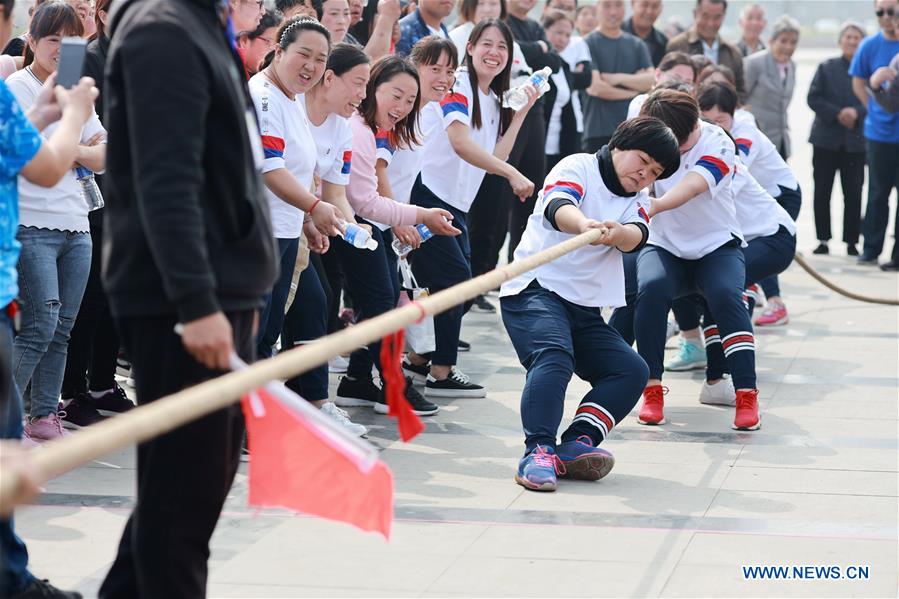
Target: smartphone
71, 61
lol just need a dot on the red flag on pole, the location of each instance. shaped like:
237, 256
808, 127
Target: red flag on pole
299, 460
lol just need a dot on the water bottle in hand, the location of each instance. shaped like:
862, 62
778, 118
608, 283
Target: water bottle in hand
90, 191
358, 237
517, 98
401, 249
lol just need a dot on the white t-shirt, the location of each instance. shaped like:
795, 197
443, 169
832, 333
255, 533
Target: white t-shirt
334, 147
404, 164
459, 36
590, 276
761, 157
758, 213
633, 109
60, 207
554, 127
450, 178
709, 220
286, 142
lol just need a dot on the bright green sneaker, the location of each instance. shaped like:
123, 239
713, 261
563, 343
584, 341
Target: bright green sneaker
691, 356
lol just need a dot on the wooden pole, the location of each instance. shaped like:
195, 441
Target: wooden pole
163, 415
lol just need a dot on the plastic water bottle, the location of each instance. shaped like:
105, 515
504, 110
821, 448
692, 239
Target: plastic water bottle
402, 249
358, 237
90, 191
516, 98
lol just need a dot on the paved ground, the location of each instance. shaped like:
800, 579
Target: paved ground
687, 505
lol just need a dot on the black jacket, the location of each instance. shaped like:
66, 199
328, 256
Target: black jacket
528, 32
569, 138
188, 228
94, 65
830, 92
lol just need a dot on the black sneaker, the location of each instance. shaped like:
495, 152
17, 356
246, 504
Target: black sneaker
420, 405
892, 265
42, 589
482, 305
457, 384
418, 374
851, 250
112, 402
354, 393
79, 412
122, 366
822, 248
245, 449
464, 346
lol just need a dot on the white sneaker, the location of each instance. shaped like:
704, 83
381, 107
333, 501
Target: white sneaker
673, 330
721, 393
338, 365
343, 418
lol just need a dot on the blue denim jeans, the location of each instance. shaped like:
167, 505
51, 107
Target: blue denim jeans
883, 176
272, 316
53, 270
14, 575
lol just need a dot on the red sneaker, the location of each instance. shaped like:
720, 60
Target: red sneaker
652, 411
747, 416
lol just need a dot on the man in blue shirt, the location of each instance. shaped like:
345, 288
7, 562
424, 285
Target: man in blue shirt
426, 20
882, 134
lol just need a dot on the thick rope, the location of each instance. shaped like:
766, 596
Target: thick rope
836, 288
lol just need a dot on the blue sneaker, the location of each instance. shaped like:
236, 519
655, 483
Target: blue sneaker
537, 470
583, 461
690, 357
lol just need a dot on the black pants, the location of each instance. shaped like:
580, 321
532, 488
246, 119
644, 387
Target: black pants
184, 476
529, 157
488, 223
94, 341
883, 177
825, 164
592, 145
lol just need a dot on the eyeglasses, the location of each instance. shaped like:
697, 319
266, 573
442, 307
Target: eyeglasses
258, 3
885, 11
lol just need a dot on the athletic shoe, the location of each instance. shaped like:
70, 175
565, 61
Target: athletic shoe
112, 402
721, 393
42, 589
464, 346
851, 250
892, 265
773, 315
46, 429
747, 415
418, 374
245, 449
343, 419
672, 330
420, 405
822, 248
457, 384
27, 442
482, 305
79, 412
353, 393
582, 461
691, 356
867, 260
338, 365
122, 367
537, 470
653, 409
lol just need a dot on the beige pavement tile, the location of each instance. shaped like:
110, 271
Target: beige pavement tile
807, 507
821, 457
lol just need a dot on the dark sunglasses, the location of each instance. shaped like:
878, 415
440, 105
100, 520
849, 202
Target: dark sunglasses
885, 11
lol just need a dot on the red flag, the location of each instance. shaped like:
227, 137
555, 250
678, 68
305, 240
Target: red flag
299, 460
398, 407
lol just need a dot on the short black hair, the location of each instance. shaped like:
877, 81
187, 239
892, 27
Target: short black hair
676, 109
285, 5
650, 135
429, 49
724, 2
269, 19
717, 93
7, 8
